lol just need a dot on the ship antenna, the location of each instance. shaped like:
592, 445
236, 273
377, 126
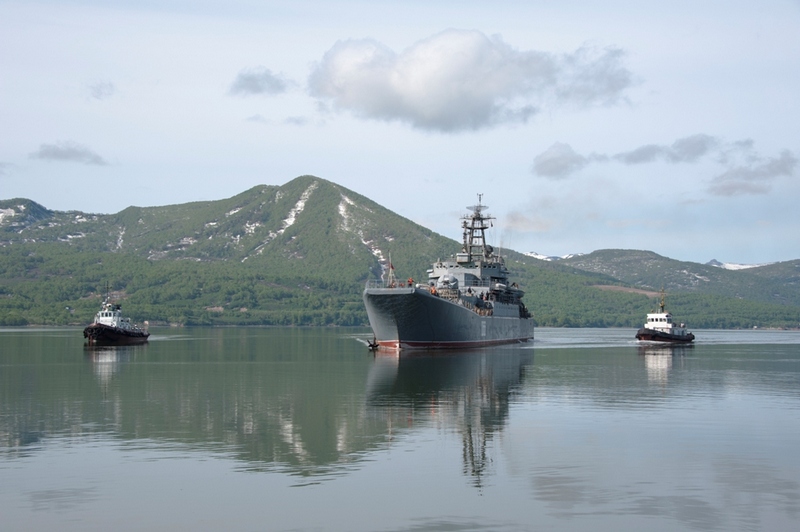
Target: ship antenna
475, 226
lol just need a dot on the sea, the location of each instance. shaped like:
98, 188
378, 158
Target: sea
306, 429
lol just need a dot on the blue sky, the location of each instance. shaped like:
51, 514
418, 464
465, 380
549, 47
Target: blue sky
672, 127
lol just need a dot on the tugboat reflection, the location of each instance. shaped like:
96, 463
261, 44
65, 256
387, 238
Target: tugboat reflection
468, 392
659, 360
107, 361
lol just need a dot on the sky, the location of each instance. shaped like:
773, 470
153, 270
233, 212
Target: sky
671, 126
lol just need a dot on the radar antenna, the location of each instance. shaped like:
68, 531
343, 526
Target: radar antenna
474, 226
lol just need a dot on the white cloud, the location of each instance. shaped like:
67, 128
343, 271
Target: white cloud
69, 152
260, 80
462, 80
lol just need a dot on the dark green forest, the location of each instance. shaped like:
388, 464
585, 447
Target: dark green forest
46, 287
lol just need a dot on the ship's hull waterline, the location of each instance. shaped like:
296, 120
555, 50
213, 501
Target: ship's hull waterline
650, 335
413, 318
104, 335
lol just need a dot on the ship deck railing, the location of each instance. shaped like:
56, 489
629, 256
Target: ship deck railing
451, 294
378, 283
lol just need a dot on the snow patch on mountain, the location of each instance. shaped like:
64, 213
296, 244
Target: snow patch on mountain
733, 266
288, 221
348, 225
6, 214
298, 208
551, 257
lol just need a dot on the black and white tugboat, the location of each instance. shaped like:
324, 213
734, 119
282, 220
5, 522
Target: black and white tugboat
468, 301
661, 328
110, 328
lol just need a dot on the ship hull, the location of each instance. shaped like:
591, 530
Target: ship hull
413, 318
651, 335
100, 334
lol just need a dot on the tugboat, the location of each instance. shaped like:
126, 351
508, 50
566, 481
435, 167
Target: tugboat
468, 301
110, 328
660, 328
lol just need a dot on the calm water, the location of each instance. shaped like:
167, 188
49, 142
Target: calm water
304, 429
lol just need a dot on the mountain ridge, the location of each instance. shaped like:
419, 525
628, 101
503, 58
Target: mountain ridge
299, 254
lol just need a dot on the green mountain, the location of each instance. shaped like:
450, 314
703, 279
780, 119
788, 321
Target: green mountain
299, 254
775, 283
295, 254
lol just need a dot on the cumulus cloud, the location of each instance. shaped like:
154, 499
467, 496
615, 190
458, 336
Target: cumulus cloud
257, 81
102, 90
754, 178
68, 151
462, 80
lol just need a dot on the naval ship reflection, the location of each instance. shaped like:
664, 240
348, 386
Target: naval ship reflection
468, 392
297, 410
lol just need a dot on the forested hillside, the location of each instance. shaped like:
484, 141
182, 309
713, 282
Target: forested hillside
775, 283
299, 254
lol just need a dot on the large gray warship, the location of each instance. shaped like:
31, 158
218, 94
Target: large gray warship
467, 302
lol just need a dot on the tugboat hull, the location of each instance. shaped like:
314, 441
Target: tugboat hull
651, 335
100, 334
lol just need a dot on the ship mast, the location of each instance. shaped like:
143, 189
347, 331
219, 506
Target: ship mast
474, 226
